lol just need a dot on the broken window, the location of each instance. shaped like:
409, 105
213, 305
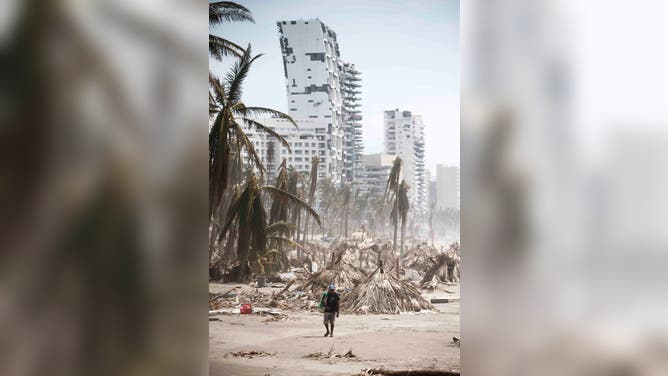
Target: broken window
319, 56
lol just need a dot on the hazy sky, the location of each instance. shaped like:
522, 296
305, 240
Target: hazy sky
407, 51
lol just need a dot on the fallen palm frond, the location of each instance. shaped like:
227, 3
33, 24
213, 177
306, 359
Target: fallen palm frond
330, 354
383, 292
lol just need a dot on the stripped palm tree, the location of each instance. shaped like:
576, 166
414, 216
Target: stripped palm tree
313, 185
327, 199
247, 216
279, 211
392, 189
346, 195
375, 212
400, 211
293, 188
360, 206
219, 13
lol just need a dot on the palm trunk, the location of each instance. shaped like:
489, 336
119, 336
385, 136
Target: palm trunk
401, 253
346, 223
394, 243
306, 221
299, 221
213, 234
243, 250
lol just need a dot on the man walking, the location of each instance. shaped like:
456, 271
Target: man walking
330, 301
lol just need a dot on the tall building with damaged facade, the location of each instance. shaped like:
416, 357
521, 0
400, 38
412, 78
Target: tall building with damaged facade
324, 90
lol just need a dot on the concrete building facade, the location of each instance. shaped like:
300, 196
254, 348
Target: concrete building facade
305, 142
404, 137
375, 173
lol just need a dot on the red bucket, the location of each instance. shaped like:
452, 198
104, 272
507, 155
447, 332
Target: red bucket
246, 308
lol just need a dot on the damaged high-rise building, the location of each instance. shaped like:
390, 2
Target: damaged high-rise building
325, 90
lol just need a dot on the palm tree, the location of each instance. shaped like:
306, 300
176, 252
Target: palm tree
226, 135
273, 259
359, 207
327, 199
400, 210
227, 138
279, 209
346, 195
376, 208
313, 184
220, 12
248, 216
293, 188
392, 188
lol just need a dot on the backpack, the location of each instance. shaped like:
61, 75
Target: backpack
321, 305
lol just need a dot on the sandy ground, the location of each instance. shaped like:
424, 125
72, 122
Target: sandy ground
389, 341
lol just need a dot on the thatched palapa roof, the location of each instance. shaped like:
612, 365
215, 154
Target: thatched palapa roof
383, 292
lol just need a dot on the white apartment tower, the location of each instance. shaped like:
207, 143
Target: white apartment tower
322, 88
404, 137
352, 126
375, 172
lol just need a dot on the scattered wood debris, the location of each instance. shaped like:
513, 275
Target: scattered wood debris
249, 354
331, 355
444, 300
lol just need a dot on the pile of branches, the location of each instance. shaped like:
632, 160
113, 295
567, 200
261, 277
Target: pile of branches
445, 268
359, 249
383, 292
420, 257
345, 276
340, 273
313, 252
283, 299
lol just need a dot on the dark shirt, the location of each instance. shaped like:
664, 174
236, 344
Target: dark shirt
331, 302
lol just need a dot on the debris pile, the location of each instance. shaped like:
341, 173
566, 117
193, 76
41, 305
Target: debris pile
359, 249
341, 273
420, 257
331, 355
445, 269
383, 292
223, 300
